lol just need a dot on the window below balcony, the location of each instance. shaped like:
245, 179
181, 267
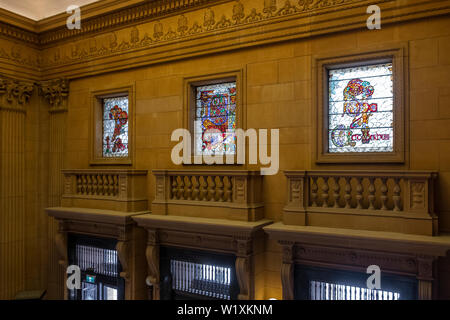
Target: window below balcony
318, 283
191, 274
100, 268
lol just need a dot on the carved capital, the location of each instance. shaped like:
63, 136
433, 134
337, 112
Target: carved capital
425, 267
14, 94
288, 251
243, 247
56, 93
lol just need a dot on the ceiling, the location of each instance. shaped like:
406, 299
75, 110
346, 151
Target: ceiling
40, 9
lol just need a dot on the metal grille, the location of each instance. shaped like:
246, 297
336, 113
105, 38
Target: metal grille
330, 291
201, 279
100, 268
97, 260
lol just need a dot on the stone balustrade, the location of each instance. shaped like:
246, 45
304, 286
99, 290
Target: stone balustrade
401, 201
109, 189
235, 195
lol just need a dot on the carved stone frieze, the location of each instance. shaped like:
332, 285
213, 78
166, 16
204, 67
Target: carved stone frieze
170, 30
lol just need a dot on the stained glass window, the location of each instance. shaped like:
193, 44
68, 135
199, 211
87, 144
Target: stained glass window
115, 127
360, 109
215, 119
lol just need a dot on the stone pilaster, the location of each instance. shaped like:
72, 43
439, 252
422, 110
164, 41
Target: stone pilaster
14, 96
56, 94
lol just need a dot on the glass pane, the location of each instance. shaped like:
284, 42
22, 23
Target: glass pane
332, 291
88, 291
360, 109
109, 293
115, 127
215, 119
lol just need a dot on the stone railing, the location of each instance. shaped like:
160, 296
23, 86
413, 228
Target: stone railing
400, 201
235, 195
111, 189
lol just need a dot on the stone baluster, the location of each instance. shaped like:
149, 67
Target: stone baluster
94, 184
220, 190
348, 191
359, 193
89, 184
325, 195
204, 189
180, 190
188, 188
336, 191
174, 188
79, 185
116, 185
84, 184
229, 189
212, 189
396, 194
371, 193
110, 185
314, 189
196, 184
100, 184
384, 190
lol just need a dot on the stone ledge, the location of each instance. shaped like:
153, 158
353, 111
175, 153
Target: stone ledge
94, 215
361, 239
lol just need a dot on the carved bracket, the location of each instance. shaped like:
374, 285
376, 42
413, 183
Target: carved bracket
243, 276
152, 255
123, 252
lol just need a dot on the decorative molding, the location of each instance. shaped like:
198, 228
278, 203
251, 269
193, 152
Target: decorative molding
56, 93
16, 33
142, 30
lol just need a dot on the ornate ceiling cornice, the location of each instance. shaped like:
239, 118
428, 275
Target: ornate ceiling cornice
143, 33
110, 20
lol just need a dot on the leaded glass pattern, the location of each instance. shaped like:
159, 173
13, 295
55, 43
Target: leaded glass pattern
115, 127
215, 119
360, 109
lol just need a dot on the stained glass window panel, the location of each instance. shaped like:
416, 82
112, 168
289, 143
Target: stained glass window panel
215, 119
360, 109
115, 127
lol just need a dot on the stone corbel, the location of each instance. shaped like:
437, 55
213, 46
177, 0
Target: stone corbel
123, 251
152, 255
287, 270
244, 268
61, 244
56, 93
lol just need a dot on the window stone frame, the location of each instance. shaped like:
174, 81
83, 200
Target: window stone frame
398, 55
96, 126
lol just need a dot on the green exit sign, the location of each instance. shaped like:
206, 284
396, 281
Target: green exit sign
90, 279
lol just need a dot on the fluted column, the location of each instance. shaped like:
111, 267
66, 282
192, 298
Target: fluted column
55, 93
14, 96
